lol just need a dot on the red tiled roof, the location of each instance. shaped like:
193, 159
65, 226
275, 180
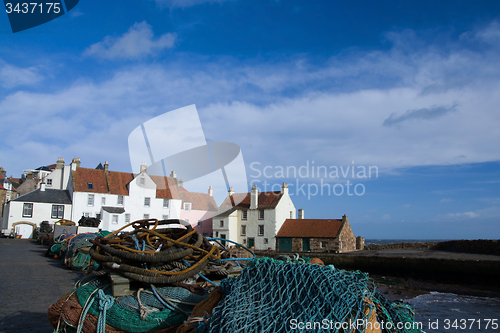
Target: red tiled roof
166, 187
83, 176
116, 183
199, 201
265, 200
310, 228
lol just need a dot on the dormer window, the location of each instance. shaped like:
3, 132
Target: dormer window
90, 186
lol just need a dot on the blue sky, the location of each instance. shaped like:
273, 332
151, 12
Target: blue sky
409, 87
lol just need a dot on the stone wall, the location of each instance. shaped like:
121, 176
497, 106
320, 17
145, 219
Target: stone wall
347, 238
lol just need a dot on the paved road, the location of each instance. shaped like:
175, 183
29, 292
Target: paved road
29, 283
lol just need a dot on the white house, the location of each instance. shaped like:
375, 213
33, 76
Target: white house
23, 214
58, 179
118, 198
253, 219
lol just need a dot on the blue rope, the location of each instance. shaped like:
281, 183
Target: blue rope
105, 303
240, 245
205, 278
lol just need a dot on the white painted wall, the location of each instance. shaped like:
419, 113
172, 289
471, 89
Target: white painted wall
41, 212
60, 178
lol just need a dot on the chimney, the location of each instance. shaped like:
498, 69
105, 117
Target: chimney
29, 175
59, 163
181, 183
284, 189
301, 214
210, 191
106, 165
254, 196
144, 167
344, 219
173, 175
3, 172
42, 186
230, 192
75, 163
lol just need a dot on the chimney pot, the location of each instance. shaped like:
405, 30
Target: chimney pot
106, 166
301, 214
144, 167
210, 191
254, 198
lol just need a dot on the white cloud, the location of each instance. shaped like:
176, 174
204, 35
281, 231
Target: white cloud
13, 76
465, 214
406, 206
137, 42
446, 200
386, 217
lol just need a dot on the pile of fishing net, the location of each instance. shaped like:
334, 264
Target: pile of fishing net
77, 255
92, 308
277, 296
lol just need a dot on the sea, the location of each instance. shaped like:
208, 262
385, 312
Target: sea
446, 312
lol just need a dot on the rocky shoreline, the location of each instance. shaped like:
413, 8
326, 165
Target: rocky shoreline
478, 246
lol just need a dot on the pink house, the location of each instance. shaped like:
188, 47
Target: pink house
198, 209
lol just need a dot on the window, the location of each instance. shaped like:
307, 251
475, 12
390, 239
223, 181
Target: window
120, 200
90, 186
127, 218
290, 214
142, 181
323, 244
147, 202
98, 216
103, 201
28, 210
261, 230
245, 241
266, 241
261, 214
187, 206
223, 236
90, 200
244, 214
146, 216
86, 214
199, 224
216, 234
57, 211
115, 219
164, 217
222, 223
243, 230
165, 203
49, 182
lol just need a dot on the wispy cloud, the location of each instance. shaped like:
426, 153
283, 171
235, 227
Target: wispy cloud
13, 76
406, 206
138, 42
446, 200
386, 217
423, 113
465, 214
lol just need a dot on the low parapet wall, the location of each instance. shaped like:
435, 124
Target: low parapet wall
446, 270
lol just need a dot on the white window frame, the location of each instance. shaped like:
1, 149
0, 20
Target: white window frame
90, 200
146, 216
28, 209
49, 182
164, 217
244, 214
147, 202
119, 200
261, 230
142, 181
261, 214
103, 201
187, 207
243, 230
57, 211
115, 219
127, 218
165, 203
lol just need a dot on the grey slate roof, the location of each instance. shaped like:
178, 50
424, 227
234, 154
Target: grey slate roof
113, 210
47, 196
